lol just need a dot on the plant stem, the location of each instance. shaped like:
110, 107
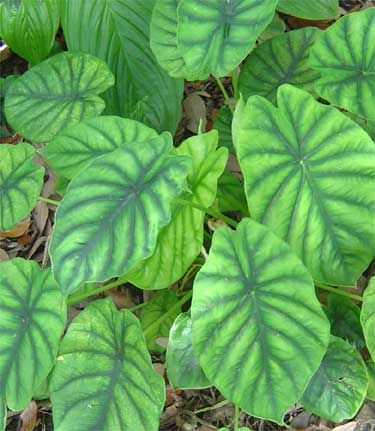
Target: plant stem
339, 291
161, 319
236, 93
225, 94
49, 201
73, 299
212, 212
214, 407
236, 417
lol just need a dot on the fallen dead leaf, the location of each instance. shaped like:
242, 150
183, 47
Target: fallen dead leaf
40, 214
122, 299
195, 112
3, 255
18, 230
28, 417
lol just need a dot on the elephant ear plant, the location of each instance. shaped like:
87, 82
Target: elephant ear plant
252, 316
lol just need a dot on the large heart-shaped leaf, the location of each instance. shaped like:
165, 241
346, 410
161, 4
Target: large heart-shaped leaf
113, 210
59, 92
118, 32
20, 183
256, 321
309, 175
307, 9
104, 379
368, 316
77, 146
344, 55
33, 314
183, 367
179, 243
338, 389
215, 36
29, 27
280, 60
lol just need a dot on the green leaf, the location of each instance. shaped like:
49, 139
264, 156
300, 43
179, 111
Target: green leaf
257, 321
307, 9
118, 32
183, 367
345, 320
343, 54
104, 379
33, 315
223, 124
3, 415
230, 194
371, 373
215, 36
180, 242
368, 316
113, 210
274, 28
77, 146
338, 389
29, 28
155, 308
57, 93
20, 183
282, 59
309, 175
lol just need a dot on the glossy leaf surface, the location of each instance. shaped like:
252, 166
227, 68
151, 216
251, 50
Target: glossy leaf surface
183, 367
215, 36
344, 55
33, 315
118, 32
307, 9
57, 93
77, 146
338, 389
280, 60
256, 321
113, 210
309, 175
20, 183
368, 316
104, 379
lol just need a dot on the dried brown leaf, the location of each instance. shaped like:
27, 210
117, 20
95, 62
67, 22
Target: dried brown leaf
28, 417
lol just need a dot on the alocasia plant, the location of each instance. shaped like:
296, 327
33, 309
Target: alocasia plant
299, 204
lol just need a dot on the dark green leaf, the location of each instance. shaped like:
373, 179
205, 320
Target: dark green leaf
368, 317
371, 373
223, 124
230, 194
307, 9
274, 28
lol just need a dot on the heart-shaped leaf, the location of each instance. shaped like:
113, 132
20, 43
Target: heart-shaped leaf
183, 367
338, 389
256, 321
29, 27
113, 210
33, 315
179, 243
118, 32
307, 9
20, 183
368, 317
371, 374
104, 379
344, 56
280, 60
57, 93
215, 36
77, 146
309, 175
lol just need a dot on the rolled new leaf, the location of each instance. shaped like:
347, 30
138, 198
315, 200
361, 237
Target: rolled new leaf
368, 317
104, 376
33, 316
256, 321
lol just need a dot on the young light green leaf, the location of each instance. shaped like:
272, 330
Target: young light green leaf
20, 183
309, 175
338, 389
280, 60
156, 307
57, 93
215, 36
29, 27
33, 315
118, 32
344, 55
344, 316
368, 316
371, 374
257, 321
223, 124
179, 243
113, 210
307, 9
274, 28
183, 367
104, 377
77, 146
